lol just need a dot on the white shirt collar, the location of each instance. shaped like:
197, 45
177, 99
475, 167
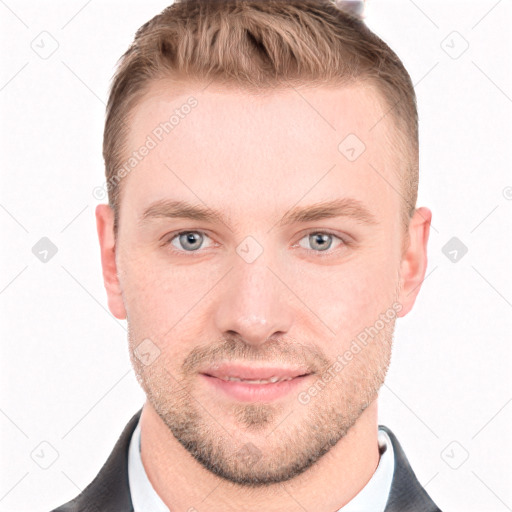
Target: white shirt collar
373, 496
144, 496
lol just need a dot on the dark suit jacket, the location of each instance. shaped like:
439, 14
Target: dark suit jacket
110, 491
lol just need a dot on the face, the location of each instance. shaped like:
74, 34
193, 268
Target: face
301, 258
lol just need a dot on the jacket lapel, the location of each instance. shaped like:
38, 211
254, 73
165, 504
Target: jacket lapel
110, 490
406, 493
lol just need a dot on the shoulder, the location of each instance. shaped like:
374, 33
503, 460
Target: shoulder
109, 491
406, 492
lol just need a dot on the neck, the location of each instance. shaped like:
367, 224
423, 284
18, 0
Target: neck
182, 483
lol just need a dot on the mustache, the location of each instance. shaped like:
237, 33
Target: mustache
235, 350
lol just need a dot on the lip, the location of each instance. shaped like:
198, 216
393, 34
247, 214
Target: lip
254, 392
225, 370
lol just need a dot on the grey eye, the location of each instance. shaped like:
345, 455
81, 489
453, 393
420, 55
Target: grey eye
189, 240
320, 241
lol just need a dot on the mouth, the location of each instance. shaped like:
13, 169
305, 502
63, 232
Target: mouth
271, 380
252, 374
252, 383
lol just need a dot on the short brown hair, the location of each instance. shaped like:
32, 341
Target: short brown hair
255, 45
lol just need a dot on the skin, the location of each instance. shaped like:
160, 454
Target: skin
253, 157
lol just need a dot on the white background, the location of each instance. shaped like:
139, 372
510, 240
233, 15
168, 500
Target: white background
65, 371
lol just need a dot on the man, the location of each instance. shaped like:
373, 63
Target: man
261, 238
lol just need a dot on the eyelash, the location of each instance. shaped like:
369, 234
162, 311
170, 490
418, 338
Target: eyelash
321, 254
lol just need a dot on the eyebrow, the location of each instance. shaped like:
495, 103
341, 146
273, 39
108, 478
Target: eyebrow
343, 207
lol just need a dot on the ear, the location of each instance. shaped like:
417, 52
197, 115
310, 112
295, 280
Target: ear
414, 259
105, 227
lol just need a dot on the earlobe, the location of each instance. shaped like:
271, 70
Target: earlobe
105, 228
414, 261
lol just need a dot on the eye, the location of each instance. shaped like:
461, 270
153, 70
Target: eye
187, 241
321, 242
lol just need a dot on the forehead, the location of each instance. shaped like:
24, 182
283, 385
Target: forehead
217, 144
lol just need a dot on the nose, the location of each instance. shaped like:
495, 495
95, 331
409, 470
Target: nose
253, 305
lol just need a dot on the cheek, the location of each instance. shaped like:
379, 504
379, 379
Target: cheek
350, 297
141, 284
163, 300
